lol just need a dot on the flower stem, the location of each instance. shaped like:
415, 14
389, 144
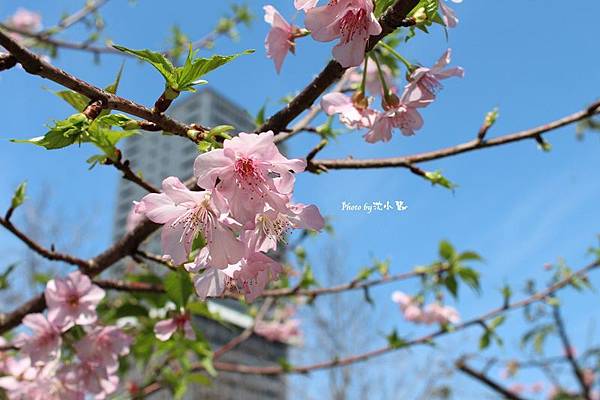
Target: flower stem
386, 90
363, 83
389, 48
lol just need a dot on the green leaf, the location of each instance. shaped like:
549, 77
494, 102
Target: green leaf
470, 277
436, 178
452, 285
308, 278
200, 379
469, 256
178, 287
78, 101
131, 310
446, 250
4, 276
189, 74
207, 363
157, 60
285, 365
260, 116
395, 341
19, 195
113, 87
220, 130
62, 134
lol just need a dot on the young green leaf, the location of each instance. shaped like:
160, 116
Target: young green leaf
19, 196
157, 60
178, 287
62, 134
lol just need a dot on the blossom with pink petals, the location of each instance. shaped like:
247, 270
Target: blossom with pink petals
437, 313
163, 330
271, 226
185, 214
403, 116
448, 14
425, 82
280, 39
249, 276
92, 377
72, 300
352, 21
305, 4
44, 345
103, 345
351, 114
279, 331
26, 20
251, 172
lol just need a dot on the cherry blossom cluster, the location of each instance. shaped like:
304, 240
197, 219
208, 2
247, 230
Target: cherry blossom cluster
350, 21
41, 372
433, 313
281, 328
399, 111
245, 210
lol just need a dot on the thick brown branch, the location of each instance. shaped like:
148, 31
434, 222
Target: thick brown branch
462, 366
407, 161
390, 21
36, 66
7, 61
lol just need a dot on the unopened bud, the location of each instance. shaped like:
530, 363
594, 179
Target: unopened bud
390, 101
420, 15
359, 100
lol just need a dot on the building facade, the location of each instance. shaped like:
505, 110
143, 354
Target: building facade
159, 156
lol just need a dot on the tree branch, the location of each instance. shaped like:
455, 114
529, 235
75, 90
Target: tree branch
407, 161
393, 18
564, 338
276, 370
462, 366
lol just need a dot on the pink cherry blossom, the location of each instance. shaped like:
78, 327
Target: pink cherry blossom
252, 173
26, 20
448, 15
280, 39
185, 214
437, 313
19, 373
103, 345
166, 328
72, 300
91, 377
305, 4
271, 226
279, 331
44, 345
517, 388
409, 307
425, 82
250, 275
352, 21
350, 115
133, 218
537, 387
403, 117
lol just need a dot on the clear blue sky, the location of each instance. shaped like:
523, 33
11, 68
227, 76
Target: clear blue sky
519, 207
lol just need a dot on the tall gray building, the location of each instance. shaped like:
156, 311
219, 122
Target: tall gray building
158, 157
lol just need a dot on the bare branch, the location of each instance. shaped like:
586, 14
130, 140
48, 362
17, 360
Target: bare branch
462, 366
407, 161
577, 371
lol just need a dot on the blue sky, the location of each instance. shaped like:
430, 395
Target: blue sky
517, 206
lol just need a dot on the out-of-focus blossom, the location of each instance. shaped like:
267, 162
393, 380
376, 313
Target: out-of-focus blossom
72, 300
448, 14
103, 345
280, 39
163, 330
352, 115
373, 84
26, 20
44, 345
305, 4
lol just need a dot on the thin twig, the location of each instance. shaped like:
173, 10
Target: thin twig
462, 366
577, 371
